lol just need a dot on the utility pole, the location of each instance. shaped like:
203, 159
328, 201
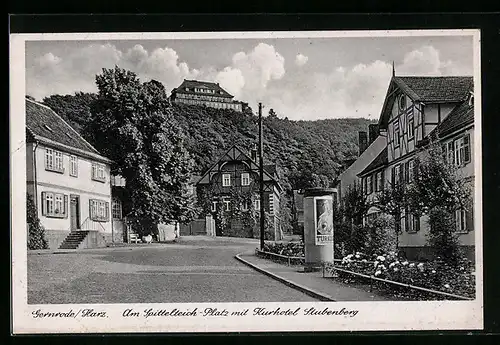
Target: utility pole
261, 168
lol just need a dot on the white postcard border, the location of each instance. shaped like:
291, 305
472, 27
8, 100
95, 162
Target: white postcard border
423, 315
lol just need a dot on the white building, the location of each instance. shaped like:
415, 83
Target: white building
68, 180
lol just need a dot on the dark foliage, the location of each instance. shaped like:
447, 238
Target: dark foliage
36, 232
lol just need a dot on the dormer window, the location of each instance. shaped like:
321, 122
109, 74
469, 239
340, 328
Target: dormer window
402, 102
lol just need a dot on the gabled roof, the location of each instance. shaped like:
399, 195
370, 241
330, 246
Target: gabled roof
42, 123
426, 90
435, 89
380, 161
191, 84
235, 153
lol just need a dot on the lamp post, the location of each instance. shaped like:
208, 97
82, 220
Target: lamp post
261, 178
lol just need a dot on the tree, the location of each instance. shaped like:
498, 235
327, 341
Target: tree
36, 232
437, 191
392, 201
133, 125
75, 109
349, 224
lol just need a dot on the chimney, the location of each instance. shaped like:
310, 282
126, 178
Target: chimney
363, 141
372, 133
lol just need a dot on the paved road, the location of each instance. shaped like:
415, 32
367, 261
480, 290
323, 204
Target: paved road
196, 269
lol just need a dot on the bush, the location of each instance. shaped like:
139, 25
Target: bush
287, 249
442, 237
381, 235
36, 232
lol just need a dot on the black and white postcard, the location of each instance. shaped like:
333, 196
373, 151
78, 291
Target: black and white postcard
246, 181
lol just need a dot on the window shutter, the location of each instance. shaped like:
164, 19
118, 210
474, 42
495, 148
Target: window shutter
407, 171
44, 204
65, 206
417, 222
401, 173
107, 211
91, 214
467, 155
382, 183
393, 175
469, 219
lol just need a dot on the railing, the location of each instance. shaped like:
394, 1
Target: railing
290, 259
394, 283
91, 225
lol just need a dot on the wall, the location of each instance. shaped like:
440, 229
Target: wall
349, 176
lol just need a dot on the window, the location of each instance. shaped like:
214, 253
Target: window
54, 160
245, 179
73, 166
214, 206
54, 205
460, 221
98, 173
412, 222
116, 209
99, 210
244, 205
407, 171
396, 133
256, 203
226, 180
380, 181
411, 128
411, 170
458, 151
397, 170
227, 204
369, 184
402, 102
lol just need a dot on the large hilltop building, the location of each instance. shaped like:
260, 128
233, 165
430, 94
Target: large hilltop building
197, 92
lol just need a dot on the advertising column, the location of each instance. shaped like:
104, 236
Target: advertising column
318, 226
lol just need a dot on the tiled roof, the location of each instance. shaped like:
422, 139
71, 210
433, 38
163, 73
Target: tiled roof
436, 89
379, 161
191, 84
41, 121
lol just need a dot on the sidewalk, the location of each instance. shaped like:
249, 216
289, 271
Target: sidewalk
313, 283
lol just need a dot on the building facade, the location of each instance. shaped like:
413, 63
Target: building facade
369, 148
68, 180
232, 184
417, 109
196, 92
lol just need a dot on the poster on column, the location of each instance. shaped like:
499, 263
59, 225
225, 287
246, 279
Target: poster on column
323, 217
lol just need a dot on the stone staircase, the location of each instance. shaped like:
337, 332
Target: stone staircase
73, 240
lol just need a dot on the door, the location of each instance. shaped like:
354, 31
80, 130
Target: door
74, 212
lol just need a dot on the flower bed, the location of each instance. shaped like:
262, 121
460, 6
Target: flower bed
434, 275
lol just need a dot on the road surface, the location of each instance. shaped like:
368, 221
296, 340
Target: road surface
197, 269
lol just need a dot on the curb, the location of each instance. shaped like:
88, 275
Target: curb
301, 288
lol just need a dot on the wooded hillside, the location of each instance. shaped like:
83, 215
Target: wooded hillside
308, 153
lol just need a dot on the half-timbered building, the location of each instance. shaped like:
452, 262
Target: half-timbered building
232, 185
416, 108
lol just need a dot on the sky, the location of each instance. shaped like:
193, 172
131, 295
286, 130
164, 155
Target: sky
300, 78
